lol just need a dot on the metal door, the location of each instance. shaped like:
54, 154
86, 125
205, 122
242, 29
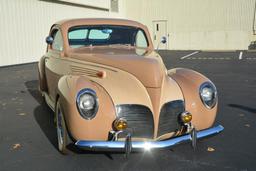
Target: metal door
160, 30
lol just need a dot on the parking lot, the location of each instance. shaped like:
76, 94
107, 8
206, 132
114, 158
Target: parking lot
28, 137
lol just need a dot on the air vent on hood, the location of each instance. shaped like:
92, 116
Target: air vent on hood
76, 70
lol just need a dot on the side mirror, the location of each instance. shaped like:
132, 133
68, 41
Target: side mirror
163, 40
49, 40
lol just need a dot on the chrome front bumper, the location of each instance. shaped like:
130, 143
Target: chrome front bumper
147, 145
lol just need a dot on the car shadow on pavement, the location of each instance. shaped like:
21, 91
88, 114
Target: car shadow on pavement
242, 107
42, 113
45, 119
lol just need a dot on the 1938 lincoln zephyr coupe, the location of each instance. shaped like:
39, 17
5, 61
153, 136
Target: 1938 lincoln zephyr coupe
110, 90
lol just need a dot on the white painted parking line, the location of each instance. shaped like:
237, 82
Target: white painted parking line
210, 58
251, 58
240, 55
191, 54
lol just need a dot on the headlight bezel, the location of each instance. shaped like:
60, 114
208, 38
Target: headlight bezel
96, 104
208, 84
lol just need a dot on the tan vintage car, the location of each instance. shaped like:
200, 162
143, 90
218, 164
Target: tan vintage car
110, 90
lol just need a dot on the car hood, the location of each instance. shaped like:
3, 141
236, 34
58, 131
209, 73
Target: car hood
146, 65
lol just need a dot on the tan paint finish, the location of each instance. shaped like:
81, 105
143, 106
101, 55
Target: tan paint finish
126, 59
131, 76
80, 128
190, 81
169, 91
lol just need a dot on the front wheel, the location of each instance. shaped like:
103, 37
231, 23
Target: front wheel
61, 130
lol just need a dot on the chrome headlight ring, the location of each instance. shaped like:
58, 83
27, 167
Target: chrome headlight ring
87, 103
208, 94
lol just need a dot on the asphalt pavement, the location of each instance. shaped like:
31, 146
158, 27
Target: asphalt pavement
28, 137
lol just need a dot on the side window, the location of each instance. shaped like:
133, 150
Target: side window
57, 41
141, 40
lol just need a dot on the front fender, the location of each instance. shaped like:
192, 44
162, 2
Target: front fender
189, 82
80, 128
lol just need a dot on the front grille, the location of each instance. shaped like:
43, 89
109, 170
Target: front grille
139, 119
168, 121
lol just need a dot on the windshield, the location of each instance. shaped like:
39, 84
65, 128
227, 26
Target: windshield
107, 35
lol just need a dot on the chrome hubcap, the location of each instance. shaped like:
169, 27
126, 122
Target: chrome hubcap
60, 129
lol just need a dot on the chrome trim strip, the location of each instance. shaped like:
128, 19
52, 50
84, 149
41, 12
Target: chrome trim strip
147, 145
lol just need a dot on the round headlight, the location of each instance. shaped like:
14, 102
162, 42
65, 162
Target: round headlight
208, 94
87, 103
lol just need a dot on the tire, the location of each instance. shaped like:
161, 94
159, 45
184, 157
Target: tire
61, 130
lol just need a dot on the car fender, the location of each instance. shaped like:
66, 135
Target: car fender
190, 82
78, 127
41, 75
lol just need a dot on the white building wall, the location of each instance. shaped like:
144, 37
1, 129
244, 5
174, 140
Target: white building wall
199, 24
192, 24
24, 24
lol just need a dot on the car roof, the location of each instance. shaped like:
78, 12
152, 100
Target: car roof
98, 21
65, 25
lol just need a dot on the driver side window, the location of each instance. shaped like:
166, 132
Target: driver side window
57, 41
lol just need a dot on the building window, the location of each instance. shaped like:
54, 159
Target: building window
114, 7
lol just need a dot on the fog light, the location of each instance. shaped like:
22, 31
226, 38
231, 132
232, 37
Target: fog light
120, 124
186, 117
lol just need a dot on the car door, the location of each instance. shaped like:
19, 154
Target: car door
53, 67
